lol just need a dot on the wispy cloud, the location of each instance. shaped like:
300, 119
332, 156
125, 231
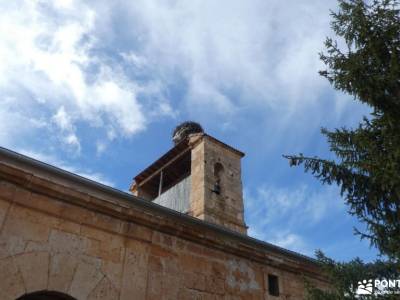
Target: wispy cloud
54, 161
261, 49
279, 215
115, 66
292, 241
53, 72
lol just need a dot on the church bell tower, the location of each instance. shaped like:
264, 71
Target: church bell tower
199, 176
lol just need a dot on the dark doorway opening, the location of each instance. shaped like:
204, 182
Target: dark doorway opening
273, 285
46, 295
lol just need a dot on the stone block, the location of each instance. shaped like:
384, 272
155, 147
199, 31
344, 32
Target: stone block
161, 251
61, 271
194, 281
134, 278
105, 290
156, 264
33, 246
34, 268
22, 196
215, 254
195, 249
87, 275
14, 225
43, 203
11, 245
113, 271
75, 213
172, 265
4, 206
114, 240
191, 263
154, 287
32, 215
170, 286
105, 251
67, 243
188, 294
7, 190
163, 286
219, 270
136, 231
215, 285
104, 222
11, 282
67, 226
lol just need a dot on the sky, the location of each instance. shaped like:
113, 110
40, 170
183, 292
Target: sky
96, 87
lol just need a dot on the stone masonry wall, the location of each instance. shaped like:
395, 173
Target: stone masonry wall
63, 236
225, 208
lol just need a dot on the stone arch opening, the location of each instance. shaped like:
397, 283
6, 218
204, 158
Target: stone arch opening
46, 295
218, 170
218, 173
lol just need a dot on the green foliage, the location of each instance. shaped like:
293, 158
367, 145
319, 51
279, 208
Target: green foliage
345, 278
367, 164
369, 68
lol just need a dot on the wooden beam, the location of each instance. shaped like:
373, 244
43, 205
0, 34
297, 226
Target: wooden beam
161, 183
163, 167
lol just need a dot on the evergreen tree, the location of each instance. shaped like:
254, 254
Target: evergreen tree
345, 277
367, 158
367, 164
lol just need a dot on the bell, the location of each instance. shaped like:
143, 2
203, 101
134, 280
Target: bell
217, 188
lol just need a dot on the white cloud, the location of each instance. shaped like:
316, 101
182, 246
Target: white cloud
15, 122
114, 67
266, 51
100, 147
292, 241
63, 120
54, 161
282, 238
303, 202
52, 69
65, 123
73, 141
277, 215
229, 54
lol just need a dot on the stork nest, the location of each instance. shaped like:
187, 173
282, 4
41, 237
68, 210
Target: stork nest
184, 129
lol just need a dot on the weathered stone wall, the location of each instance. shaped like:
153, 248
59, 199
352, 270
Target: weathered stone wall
61, 233
197, 194
226, 207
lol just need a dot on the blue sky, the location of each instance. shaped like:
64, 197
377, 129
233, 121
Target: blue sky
96, 87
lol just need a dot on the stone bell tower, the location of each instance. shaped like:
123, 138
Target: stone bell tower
199, 176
